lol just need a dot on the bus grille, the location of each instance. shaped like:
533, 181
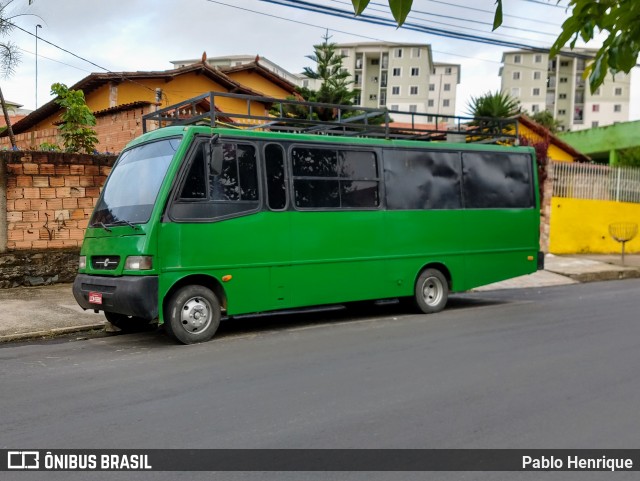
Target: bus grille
108, 263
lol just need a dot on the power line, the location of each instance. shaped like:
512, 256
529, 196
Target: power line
546, 4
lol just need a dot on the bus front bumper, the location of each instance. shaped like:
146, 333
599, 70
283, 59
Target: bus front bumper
129, 295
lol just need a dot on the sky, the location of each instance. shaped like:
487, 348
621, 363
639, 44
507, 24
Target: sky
133, 35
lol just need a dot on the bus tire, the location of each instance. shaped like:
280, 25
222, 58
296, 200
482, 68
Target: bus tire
431, 291
192, 314
128, 323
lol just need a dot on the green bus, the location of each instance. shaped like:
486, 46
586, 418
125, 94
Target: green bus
196, 222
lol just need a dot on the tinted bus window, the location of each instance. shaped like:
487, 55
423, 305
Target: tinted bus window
422, 180
276, 187
497, 180
324, 178
234, 191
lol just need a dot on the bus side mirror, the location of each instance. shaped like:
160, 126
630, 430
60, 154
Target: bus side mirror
213, 152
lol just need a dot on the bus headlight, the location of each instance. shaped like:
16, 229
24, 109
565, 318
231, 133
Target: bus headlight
138, 263
82, 262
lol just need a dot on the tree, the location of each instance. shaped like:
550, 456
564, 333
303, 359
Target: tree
545, 118
493, 104
77, 120
617, 19
335, 87
629, 157
9, 59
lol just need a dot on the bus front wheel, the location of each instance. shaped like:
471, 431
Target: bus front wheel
431, 291
192, 314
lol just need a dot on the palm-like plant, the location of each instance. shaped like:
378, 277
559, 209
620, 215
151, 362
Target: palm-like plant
494, 104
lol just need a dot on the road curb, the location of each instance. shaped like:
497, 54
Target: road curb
57, 331
612, 275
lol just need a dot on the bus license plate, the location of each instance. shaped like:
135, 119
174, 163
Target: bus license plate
95, 298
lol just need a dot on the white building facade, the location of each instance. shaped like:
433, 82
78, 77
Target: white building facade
557, 85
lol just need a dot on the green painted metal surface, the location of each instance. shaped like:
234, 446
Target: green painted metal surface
599, 141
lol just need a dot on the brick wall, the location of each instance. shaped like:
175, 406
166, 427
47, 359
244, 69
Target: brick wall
114, 130
50, 196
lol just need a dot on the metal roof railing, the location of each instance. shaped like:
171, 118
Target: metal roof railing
251, 112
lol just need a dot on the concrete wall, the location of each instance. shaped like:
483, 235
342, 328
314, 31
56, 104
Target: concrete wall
582, 226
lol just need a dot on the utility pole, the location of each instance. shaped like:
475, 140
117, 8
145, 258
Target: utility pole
37, 27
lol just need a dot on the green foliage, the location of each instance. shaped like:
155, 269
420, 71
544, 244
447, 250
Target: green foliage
493, 104
335, 87
77, 120
617, 19
49, 147
629, 157
545, 118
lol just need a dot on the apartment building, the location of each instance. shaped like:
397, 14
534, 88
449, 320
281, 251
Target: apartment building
443, 88
557, 85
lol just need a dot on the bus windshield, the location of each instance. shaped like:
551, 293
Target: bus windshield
130, 193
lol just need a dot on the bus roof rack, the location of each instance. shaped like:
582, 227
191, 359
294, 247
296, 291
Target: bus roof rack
296, 116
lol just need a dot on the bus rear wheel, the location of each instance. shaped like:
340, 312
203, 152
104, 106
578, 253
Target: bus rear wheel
192, 314
128, 323
431, 291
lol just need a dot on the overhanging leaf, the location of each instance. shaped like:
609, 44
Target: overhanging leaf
400, 9
497, 19
359, 6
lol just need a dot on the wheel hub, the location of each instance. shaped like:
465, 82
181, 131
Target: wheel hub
196, 315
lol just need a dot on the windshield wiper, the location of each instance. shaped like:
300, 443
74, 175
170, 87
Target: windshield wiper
100, 224
122, 221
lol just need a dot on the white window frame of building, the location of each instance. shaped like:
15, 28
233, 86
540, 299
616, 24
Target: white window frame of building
562, 96
446, 87
415, 71
595, 124
537, 75
415, 52
564, 63
344, 52
305, 83
356, 80
535, 108
394, 107
595, 108
413, 108
373, 97
431, 103
564, 80
432, 87
446, 103
517, 58
535, 92
515, 92
430, 118
537, 58
413, 90
397, 53
448, 71
395, 90
618, 91
596, 93
515, 75
396, 72
562, 112
617, 108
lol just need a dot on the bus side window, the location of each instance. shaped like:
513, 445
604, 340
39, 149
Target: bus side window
494, 180
276, 186
238, 180
417, 179
194, 185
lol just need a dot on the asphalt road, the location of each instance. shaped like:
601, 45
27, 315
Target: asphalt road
529, 368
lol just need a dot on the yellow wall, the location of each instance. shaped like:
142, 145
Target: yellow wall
582, 226
555, 153
260, 84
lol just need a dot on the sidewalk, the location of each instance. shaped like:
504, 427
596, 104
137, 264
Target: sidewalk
36, 312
